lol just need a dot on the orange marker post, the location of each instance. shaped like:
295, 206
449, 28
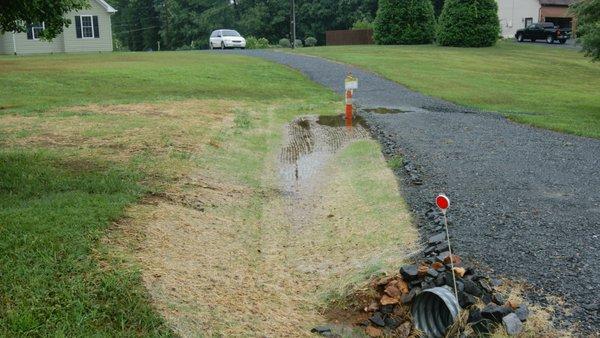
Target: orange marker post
349, 105
350, 84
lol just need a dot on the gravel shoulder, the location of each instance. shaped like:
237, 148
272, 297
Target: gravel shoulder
526, 201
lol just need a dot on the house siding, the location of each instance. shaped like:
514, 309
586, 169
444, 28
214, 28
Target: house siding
6, 44
512, 14
67, 41
101, 44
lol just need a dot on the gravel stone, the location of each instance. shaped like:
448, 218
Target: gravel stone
524, 200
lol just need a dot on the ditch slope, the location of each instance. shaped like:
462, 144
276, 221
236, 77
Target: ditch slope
526, 201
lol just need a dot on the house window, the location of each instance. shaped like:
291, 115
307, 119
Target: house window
528, 22
87, 28
34, 31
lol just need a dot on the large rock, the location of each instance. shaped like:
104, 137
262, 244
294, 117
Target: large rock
437, 238
409, 272
495, 312
322, 330
522, 312
472, 288
377, 319
465, 300
512, 324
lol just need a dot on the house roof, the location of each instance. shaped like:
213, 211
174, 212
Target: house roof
106, 6
556, 2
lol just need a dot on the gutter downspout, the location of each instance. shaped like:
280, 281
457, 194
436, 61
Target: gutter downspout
14, 43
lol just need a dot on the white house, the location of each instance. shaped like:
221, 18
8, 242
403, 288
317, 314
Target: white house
517, 14
90, 31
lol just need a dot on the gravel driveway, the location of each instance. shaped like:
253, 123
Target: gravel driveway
526, 201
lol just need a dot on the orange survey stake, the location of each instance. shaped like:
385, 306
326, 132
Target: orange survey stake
348, 104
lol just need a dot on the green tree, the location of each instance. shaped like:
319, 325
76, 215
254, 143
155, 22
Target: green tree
136, 24
468, 23
15, 15
588, 15
404, 22
437, 7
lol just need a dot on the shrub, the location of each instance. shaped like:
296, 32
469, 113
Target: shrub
263, 43
254, 43
588, 14
285, 43
310, 41
362, 24
468, 23
298, 43
199, 44
404, 22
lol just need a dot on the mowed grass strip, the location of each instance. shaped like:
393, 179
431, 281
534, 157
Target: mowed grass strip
67, 173
36, 83
549, 87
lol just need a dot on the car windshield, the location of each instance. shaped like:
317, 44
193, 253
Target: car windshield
227, 32
548, 25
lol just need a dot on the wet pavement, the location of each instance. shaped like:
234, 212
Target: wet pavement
526, 201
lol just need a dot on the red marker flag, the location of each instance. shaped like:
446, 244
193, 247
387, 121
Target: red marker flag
442, 202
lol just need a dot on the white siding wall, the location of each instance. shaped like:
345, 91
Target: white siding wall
512, 14
25, 46
102, 44
6, 44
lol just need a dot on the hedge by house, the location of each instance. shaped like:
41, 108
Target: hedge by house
468, 23
404, 22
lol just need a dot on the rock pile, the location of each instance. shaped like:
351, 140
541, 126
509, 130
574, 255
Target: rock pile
389, 313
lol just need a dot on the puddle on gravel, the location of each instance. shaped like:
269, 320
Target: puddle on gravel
310, 144
384, 110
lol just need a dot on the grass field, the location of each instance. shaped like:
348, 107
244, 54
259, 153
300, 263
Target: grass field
552, 88
139, 196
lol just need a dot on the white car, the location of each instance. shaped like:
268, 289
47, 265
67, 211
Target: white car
226, 38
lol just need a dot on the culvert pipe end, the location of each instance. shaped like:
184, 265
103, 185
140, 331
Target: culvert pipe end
434, 311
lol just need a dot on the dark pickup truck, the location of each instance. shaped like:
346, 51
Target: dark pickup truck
543, 31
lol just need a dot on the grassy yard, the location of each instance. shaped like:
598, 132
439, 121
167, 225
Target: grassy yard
67, 173
139, 196
552, 88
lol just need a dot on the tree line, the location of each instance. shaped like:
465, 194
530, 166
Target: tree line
173, 24
143, 24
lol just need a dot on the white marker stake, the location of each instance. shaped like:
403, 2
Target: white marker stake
443, 202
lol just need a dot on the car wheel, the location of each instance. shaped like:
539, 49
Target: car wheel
210, 46
223, 45
550, 39
562, 41
520, 37
532, 40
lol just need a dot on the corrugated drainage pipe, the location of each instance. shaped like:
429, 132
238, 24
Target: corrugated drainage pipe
434, 310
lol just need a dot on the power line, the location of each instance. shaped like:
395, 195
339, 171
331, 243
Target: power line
137, 30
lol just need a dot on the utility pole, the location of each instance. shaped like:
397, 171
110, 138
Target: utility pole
293, 24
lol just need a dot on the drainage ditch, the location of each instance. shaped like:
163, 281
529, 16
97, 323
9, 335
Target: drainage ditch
310, 143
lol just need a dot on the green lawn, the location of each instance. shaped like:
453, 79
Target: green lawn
67, 174
37, 83
554, 88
